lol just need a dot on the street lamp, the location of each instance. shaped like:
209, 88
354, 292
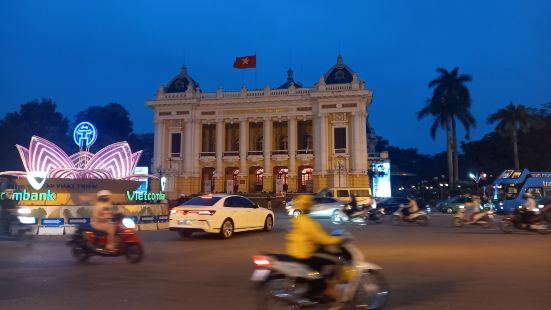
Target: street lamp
476, 178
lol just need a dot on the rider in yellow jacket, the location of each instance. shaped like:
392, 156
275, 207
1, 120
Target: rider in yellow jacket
304, 242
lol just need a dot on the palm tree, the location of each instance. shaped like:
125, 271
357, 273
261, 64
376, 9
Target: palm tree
450, 102
514, 119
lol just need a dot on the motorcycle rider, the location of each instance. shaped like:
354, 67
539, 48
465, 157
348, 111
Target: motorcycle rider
7, 213
472, 209
303, 243
528, 208
101, 218
352, 209
411, 208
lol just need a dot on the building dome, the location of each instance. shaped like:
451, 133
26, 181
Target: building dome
290, 81
181, 82
339, 73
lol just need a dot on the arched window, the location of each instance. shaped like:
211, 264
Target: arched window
307, 180
259, 175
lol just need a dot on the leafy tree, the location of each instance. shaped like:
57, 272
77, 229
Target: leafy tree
112, 122
450, 102
38, 117
143, 142
513, 120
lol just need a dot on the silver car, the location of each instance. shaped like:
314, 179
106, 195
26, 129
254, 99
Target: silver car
323, 207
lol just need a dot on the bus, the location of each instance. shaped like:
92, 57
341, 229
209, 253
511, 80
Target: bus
510, 186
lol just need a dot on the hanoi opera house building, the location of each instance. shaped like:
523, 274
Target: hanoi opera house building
297, 138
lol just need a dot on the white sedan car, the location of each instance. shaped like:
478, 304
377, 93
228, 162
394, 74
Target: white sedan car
219, 214
322, 207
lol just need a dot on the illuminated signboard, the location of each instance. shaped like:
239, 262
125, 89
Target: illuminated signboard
145, 196
144, 182
29, 196
381, 180
85, 134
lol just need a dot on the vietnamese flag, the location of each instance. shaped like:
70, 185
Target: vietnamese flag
245, 62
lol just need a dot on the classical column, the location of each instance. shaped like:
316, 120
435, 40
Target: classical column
292, 145
324, 145
362, 137
243, 148
267, 179
316, 139
158, 146
219, 149
188, 148
197, 126
356, 144
267, 147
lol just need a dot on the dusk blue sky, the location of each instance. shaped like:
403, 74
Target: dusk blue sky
84, 53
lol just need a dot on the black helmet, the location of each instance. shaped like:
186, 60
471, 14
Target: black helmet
410, 196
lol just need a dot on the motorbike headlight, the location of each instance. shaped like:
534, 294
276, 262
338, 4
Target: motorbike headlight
24, 211
26, 219
128, 223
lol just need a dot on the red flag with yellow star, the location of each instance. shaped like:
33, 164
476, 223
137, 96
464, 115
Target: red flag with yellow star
245, 62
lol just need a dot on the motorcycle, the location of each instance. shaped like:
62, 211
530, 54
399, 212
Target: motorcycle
284, 281
419, 217
19, 226
362, 217
518, 221
482, 218
87, 242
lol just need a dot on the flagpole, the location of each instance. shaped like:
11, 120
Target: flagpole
255, 71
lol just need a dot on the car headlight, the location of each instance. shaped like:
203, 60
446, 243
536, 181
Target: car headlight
128, 223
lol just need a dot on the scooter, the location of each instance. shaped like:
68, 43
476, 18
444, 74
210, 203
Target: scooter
509, 223
19, 226
284, 281
482, 218
87, 242
419, 217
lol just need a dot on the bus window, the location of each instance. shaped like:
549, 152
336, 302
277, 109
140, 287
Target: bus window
509, 191
537, 192
547, 192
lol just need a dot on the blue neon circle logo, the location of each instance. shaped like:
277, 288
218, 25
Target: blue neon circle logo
85, 134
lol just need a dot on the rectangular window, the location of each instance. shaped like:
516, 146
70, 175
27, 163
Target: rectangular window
339, 139
342, 193
175, 144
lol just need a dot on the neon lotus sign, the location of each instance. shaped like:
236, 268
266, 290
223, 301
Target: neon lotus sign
45, 159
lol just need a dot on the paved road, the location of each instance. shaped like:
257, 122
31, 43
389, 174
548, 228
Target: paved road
438, 267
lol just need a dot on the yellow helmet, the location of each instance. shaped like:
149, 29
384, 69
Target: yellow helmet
303, 203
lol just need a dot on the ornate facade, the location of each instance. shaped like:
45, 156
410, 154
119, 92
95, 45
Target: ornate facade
291, 137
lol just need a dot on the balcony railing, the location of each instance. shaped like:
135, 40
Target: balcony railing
231, 153
207, 154
280, 152
340, 151
255, 153
305, 151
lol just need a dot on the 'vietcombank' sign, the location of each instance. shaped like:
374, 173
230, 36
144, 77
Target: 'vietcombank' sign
29, 196
145, 196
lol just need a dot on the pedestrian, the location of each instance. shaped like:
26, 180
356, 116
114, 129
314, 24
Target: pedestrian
269, 201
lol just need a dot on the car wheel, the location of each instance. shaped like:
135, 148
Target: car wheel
269, 223
449, 210
226, 231
296, 213
185, 234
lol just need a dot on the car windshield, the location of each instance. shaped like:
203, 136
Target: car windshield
201, 201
